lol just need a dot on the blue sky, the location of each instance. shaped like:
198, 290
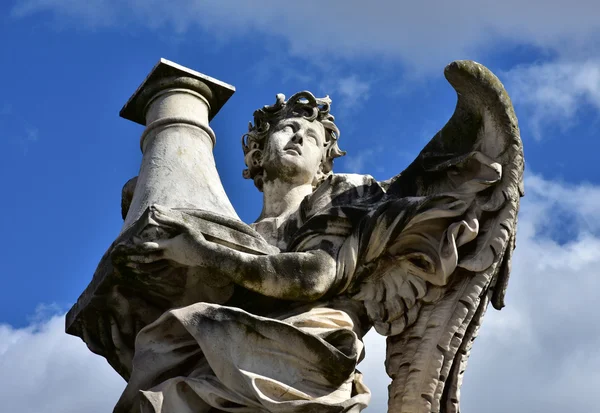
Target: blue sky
69, 66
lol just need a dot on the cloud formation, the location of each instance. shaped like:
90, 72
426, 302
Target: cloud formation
426, 34
351, 90
540, 353
44, 370
363, 160
554, 93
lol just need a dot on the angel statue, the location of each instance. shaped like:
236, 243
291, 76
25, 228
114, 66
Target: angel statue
418, 257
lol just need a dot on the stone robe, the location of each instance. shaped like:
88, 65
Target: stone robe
278, 356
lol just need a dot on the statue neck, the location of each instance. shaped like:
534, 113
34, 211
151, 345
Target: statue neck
280, 199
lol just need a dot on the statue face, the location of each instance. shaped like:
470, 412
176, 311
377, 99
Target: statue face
294, 151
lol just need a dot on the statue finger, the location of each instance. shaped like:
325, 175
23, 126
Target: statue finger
147, 268
121, 252
149, 246
156, 266
134, 267
146, 258
144, 248
121, 248
168, 218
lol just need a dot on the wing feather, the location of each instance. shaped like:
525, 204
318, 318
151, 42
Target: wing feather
460, 254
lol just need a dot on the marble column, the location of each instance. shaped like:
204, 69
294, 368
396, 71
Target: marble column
178, 168
175, 104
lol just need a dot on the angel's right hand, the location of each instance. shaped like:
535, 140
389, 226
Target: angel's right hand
140, 257
187, 249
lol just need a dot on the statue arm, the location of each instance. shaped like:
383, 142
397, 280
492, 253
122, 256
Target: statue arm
302, 276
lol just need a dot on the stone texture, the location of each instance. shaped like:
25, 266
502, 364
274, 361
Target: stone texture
213, 90
178, 170
202, 313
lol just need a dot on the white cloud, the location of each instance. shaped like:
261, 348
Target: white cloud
96, 13
362, 161
356, 163
548, 197
351, 90
426, 34
373, 369
540, 353
42, 369
553, 93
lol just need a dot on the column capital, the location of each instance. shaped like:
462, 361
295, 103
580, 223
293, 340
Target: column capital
167, 75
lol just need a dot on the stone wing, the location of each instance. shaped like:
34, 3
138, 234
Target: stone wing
438, 249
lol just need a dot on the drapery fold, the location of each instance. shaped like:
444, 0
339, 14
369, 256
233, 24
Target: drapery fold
238, 362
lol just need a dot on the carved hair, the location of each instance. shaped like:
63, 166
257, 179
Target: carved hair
302, 104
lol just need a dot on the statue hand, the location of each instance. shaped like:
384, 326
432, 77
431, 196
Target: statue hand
185, 247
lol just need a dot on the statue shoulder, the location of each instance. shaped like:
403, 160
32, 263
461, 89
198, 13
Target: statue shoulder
343, 189
342, 192
353, 179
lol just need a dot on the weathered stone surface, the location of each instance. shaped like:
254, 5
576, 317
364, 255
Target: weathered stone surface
178, 168
202, 313
178, 171
160, 77
124, 299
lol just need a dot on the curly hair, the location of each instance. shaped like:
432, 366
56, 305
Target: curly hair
302, 104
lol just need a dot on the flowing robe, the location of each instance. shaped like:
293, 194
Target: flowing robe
257, 354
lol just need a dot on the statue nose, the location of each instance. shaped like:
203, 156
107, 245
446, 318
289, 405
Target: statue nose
297, 138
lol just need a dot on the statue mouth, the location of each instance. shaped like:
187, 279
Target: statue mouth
293, 149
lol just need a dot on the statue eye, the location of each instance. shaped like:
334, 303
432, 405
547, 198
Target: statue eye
283, 128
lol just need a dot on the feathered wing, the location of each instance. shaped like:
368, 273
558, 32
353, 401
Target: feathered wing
438, 248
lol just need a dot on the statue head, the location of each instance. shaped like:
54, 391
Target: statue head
293, 140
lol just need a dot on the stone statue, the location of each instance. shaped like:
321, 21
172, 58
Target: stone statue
202, 313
